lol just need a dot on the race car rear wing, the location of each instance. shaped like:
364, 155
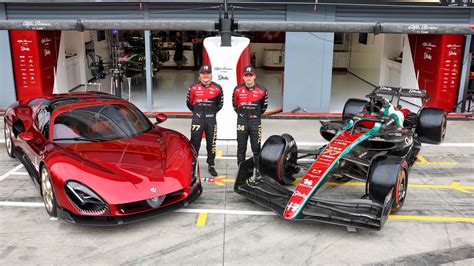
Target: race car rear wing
400, 92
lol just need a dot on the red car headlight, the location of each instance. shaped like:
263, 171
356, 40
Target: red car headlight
84, 199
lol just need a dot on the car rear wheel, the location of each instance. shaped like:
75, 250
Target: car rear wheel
9, 141
387, 173
278, 159
353, 107
431, 126
47, 192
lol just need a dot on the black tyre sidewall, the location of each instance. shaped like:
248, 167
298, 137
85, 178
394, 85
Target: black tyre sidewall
273, 158
288, 155
383, 176
431, 125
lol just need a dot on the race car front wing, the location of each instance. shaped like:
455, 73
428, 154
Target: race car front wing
267, 192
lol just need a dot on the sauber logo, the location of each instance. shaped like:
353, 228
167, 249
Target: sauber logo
452, 53
300, 194
414, 91
293, 207
221, 77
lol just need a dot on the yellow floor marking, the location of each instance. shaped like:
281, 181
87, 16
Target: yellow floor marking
220, 180
432, 218
201, 220
455, 185
219, 153
422, 160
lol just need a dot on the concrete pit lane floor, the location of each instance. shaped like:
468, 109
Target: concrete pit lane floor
435, 226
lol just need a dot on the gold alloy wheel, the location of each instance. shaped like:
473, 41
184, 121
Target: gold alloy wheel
47, 190
402, 185
8, 139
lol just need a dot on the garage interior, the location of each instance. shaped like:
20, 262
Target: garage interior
353, 75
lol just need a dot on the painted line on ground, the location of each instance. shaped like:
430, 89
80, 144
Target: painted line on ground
319, 143
21, 204
20, 173
201, 219
218, 180
454, 185
11, 171
269, 213
431, 218
423, 160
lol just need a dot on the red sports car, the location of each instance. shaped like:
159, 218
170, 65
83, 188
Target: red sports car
98, 160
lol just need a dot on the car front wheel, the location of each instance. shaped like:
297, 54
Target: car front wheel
9, 141
47, 192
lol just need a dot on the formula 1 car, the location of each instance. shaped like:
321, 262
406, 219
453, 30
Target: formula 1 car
377, 142
133, 61
98, 160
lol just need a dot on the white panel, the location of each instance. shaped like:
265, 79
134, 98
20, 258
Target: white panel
366, 59
408, 75
224, 62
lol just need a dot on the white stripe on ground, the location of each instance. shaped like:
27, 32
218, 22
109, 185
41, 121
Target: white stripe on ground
320, 143
21, 204
235, 158
215, 211
20, 173
11, 172
237, 212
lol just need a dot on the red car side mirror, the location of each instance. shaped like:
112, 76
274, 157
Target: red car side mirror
160, 118
26, 136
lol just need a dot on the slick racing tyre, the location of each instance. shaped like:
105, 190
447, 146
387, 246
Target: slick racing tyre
47, 192
278, 158
10, 146
431, 126
386, 173
353, 107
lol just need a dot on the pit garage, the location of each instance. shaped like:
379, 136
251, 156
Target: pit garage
435, 226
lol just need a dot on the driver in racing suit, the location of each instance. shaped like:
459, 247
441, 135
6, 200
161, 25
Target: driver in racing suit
205, 99
250, 100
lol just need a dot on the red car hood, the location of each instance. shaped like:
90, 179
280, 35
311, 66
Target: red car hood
140, 160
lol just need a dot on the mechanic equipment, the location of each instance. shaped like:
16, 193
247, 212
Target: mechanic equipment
98, 85
371, 144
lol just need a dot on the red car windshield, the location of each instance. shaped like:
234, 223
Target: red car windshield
99, 123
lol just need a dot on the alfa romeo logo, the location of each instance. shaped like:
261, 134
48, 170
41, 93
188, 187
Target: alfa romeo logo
153, 189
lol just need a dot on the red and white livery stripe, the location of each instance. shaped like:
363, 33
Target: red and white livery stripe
316, 173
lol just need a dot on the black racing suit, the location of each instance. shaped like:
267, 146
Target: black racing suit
250, 104
205, 101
